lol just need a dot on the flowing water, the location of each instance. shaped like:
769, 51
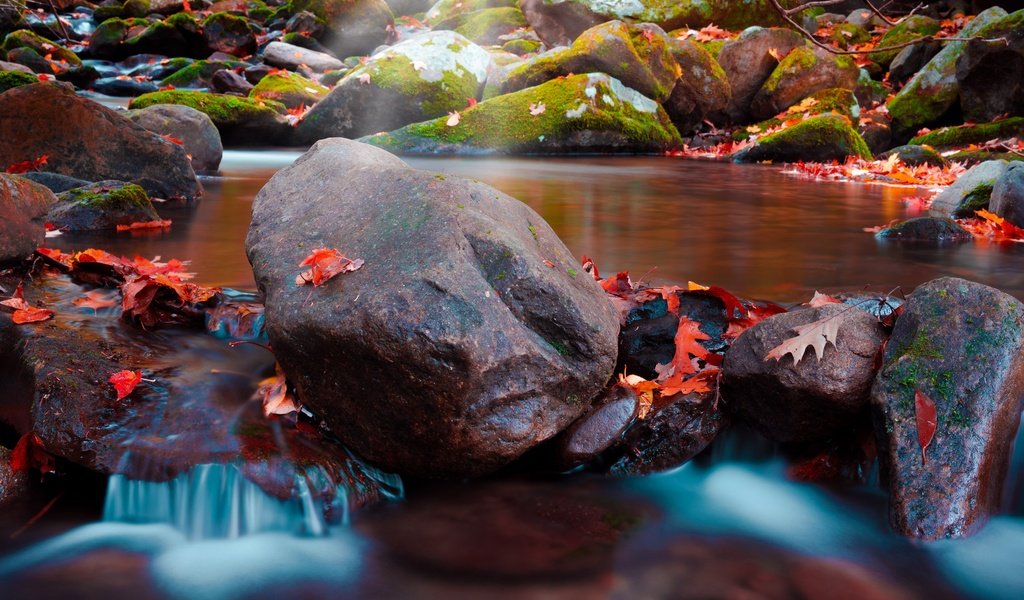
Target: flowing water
728, 525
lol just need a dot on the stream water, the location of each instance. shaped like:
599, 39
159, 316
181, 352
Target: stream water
728, 525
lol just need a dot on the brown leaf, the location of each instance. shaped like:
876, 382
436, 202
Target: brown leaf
924, 411
817, 335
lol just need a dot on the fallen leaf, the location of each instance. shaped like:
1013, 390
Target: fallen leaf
29, 454
124, 382
31, 315
644, 390
924, 411
820, 300
688, 348
418, 65
364, 78
817, 335
453, 119
27, 165
774, 53
274, 396
537, 109
158, 224
95, 300
324, 264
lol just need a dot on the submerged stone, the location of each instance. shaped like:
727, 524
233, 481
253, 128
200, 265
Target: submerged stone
926, 230
960, 343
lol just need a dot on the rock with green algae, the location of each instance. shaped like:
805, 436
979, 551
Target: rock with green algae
821, 138
447, 10
970, 192
522, 46
240, 121
588, 113
355, 27
106, 41
198, 74
836, 101
965, 135
702, 87
178, 35
12, 79
102, 206
637, 55
748, 61
486, 26
960, 344
228, 33
290, 89
423, 77
801, 73
24, 38
934, 90
911, 28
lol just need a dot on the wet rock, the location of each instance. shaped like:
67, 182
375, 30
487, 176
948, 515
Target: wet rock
911, 28
230, 82
421, 78
911, 59
9, 66
965, 135
970, 192
23, 38
240, 121
179, 35
306, 23
669, 436
115, 86
580, 114
934, 89
229, 34
810, 400
598, 429
290, 89
199, 74
926, 230
55, 181
23, 206
991, 74
960, 343
826, 137
101, 145
914, 155
195, 130
353, 28
288, 56
478, 351
13, 484
102, 206
1007, 198
802, 72
747, 64
701, 89
33, 60
637, 55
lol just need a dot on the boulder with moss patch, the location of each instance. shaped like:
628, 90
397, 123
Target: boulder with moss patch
228, 33
196, 132
444, 11
637, 55
198, 74
835, 101
802, 72
487, 26
590, 113
13, 79
290, 89
748, 61
354, 27
911, 28
702, 87
240, 121
965, 135
24, 38
934, 90
821, 138
179, 35
970, 192
102, 206
420, 78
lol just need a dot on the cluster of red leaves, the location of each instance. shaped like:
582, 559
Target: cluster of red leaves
324, 264
29, 454
890, 171
991, 227
145, 225
23, 311
27, 165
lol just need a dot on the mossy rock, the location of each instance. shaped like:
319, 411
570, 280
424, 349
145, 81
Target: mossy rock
102, 13
304, 41
916, 26
177, 35
637, 55
926, 230
228, 33
356, 27
970, 192
13, 79
23, 38
136, 8
198, 74
702, 88
837, 101
446, 10
972, 158
290, 89
965, 135
934, 90
846, 34
486, 26
801, 73
914, 155
239, 120
590, 113
102, 206
522, 47
821, 138
421, 78
107, 41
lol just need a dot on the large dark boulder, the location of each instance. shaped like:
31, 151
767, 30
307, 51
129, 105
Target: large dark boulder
455, 348
23, 204
83, 139
748, 62
990, 73
194, 129
811, 399
801, 73
702, 89
1007, 198
959, 343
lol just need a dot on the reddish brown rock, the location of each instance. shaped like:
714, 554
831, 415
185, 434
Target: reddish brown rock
598, 429
23, 207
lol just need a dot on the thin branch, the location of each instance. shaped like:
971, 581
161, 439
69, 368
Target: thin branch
63, 30
802, 7
887, 20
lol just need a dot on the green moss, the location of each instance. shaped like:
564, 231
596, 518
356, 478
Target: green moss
436, 98
572, 272
136, 8
797, 61
966, 135
837, 101
227, 22
449, 9
128, 196
846, 34
559, 347
713, 47
222, 110
912, 28
23, 38
13, 79
484, 26
198, 74
521, 47
976, 199
825, 137
290, 89
533, 230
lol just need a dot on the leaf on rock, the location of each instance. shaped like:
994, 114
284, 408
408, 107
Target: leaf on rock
688, 347
644, 390
453, 119
537, 109
325, 263
29, 454
924, 410
23, 311
820, 300
274, 395
124, 382
817, 335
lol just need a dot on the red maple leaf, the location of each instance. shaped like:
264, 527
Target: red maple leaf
325, 263
29, 454
124, 382
23, 311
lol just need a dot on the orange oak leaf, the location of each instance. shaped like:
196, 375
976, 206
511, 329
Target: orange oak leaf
644, 390
688, 347
324, 264
924, 411
124, 382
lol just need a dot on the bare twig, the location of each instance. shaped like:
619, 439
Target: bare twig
38, 515
878, 12
802, 7
63, 30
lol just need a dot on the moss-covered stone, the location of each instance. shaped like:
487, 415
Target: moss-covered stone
136, 8
13, 79
177, 35
673, 14
701, 89
965, 135
580, 113
835, 100
846, 34
239, 120
821, 138
290, 89
486, 26
637, 55
446, 10
104, 12
23, 38
102, 205
198, 74
228, 33
916, 155
914, 27
970, 192
802, 72
521, 47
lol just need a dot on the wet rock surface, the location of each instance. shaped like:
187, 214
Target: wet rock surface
926, 230
598, 429
813, 398
196, 132
970, 192
1007, 198
23, 206
477, 350
102, 206
101, 145
959, 343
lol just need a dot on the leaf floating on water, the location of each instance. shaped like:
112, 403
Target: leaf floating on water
158, 224
924, 410
324, 264
818, 335
95, 300
124, 382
